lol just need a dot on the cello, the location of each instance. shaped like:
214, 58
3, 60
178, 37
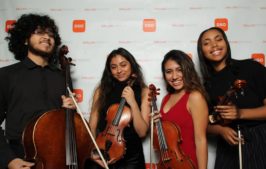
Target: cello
167, 139
58, 138
111, 141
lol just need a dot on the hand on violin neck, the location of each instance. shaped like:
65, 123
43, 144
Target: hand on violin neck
129, 95
68, 102
230, 112
156, 115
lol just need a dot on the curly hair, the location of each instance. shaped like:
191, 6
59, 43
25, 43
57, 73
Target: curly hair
190, 76
205, 65
107, 82
22, 30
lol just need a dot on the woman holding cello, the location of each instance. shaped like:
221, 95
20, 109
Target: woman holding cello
120, 68
185, 105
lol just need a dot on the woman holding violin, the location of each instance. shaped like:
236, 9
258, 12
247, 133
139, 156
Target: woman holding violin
120, 68
185, 105
246, 109
30, 87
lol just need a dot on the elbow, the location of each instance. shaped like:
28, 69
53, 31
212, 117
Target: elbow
143, 133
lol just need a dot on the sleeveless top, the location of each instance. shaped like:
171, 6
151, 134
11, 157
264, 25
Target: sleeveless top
179, 115
133, 141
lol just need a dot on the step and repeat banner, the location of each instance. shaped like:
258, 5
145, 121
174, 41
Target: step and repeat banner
147, 28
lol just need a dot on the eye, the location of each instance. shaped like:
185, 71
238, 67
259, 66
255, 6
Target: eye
205, 43
112, 67
167, 71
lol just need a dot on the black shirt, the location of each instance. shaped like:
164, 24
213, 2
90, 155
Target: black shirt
26, 91
254, 92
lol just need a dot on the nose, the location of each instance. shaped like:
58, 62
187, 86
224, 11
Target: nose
214, 44
175, 75
119, 69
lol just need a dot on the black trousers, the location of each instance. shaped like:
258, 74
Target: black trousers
253, 151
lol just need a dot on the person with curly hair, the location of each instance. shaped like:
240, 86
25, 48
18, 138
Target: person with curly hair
31, 86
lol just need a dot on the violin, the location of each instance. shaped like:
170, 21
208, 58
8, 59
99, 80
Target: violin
58, 138
233, 91
111, 141
167, 139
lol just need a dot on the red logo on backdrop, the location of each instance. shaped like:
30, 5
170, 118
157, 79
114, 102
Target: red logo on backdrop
221, 23
79, 25
150, 166
10, 24
149, 25
79, 94
260, 57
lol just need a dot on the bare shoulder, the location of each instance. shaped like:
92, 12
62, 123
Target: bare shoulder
96, 92
196, 96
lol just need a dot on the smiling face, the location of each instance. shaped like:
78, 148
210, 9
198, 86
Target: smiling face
120, 68
214, 47
41, 42
173, 75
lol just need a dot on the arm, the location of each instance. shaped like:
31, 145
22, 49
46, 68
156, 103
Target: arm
8, 159
226, 132
231, 112
140, 115
94, 114
199, 112
258, 113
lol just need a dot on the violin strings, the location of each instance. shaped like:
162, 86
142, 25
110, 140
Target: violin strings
162, 142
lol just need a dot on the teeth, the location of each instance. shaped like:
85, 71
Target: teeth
217, 52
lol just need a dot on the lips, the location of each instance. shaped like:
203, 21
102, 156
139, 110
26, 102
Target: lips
216, 52
45, 43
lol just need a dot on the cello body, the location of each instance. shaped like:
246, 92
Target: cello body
44, 141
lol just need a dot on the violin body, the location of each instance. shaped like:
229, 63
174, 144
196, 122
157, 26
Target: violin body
233, 92
171, 154
44, 141
167, 140
111, 141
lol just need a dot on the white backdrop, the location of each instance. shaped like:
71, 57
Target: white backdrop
147, 28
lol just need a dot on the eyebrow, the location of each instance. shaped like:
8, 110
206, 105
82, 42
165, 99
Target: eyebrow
214, 37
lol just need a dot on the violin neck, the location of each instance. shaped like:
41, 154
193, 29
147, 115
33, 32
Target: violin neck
119, 112
159, 129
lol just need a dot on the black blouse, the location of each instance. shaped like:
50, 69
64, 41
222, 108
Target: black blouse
254, 92
133, 142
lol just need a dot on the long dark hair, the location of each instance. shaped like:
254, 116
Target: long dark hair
23, 29
107, 82
205, 65
190, 76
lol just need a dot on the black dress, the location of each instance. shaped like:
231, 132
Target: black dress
134, 157
254, 131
